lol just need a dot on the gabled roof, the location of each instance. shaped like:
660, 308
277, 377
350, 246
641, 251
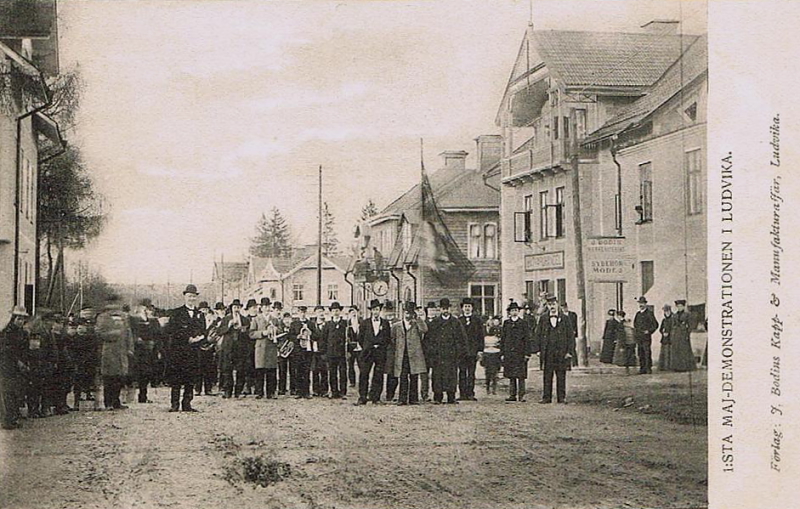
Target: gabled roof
452, 188
232, 271
608, 59
310, 262
627, 62
685, 70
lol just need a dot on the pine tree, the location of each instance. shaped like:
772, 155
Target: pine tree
330, 244
369, 210
272, 236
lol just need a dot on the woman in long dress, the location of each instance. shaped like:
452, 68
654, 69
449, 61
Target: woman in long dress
609, 339
665, 357
682, 358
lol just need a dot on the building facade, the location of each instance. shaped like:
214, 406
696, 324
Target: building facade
468, 200
561, 196
28, 53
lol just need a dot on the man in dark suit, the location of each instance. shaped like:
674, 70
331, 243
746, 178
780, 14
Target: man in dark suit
333, 335
644, 325
373, 336
185, 331
449, 342
573, 321
557, 347
303, 331
476, 333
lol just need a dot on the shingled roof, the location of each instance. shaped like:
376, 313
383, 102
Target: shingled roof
452, 188
684, 70
608, 59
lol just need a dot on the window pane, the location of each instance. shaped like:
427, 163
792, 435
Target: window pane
648, 276
562, 290
474, 290
543, 214
488, 290
490, 239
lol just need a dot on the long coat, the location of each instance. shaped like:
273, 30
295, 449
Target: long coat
114, 330
448, 346
409, 342
556, 342
476, 333
609, 340
145, 351
266, 350
183, 364
644, 324
333, 336
516, 342
12, 352
681, 346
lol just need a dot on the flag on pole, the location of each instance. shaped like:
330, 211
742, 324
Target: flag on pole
437, 248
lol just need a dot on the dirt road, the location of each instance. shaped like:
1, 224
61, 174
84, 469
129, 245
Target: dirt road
323, 453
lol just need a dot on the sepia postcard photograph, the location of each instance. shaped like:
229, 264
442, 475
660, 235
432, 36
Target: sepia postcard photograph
236, 236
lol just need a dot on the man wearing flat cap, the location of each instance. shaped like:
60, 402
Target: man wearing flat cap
476, 333
448, 346
644, 325
184, 331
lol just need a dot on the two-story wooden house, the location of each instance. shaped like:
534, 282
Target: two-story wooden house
468, 200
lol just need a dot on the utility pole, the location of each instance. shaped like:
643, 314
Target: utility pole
222, 277
577, 228
319, 243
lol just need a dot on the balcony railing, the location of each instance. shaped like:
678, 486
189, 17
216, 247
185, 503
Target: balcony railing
555, 153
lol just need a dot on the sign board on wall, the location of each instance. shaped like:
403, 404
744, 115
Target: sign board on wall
608, 260
544, 261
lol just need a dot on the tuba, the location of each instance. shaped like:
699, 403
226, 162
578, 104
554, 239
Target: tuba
285, 347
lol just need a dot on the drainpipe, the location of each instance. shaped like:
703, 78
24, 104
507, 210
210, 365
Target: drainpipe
391, 271
618, 212
18, 176
352, 288
412, 276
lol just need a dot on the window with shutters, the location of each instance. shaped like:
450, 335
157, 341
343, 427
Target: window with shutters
645, 207
694, 180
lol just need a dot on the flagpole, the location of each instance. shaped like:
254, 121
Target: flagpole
319, 243
421, 222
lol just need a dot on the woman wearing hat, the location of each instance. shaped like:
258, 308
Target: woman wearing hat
665, 356
609, 339
682, 358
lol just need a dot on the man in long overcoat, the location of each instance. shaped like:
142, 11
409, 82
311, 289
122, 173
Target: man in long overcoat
114, 330
373, 336
184, 331
12, 368
145, 351
448, 345
230, 329
476, 333
264, 333
644, 325
557, 343
516, 347
432, 313
409, 361
334, 334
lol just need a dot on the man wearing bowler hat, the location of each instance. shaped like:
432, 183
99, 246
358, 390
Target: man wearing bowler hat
409, 360
476, 333
185, 331
333, 335
374, 335
448, 345
644, 325
557, 344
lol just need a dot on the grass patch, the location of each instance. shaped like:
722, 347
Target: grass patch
260, 470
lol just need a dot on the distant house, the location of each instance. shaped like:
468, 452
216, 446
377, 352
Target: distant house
28, 53
300, 283
229, 280
469, 202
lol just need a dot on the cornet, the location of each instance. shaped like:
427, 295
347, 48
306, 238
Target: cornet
305, 338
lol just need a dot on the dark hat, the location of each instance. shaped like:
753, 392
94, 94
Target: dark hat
219, 305
191, 289
611, 312
550, 297
277, 305
236, 302
335, 305
466, 301
353, 308
265, 301
302, 309
388, 305
680, 302
203, 305
319, 308
444, 303
621, 313
511, 306
251, 303
375, 303
432, 304
527, 305
410, 306
641, 300
287, 314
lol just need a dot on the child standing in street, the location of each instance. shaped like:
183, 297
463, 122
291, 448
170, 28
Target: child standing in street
490, 357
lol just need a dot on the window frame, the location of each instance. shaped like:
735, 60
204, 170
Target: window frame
559, 228
332, 291
486, 240
481, 299
646, 192
648, 278
298, 289
695, 201
544, 200
472, 243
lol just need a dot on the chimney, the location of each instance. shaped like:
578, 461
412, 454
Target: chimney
454, 159
490, 150
661, 26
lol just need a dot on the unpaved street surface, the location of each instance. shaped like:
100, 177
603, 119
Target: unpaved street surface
485, 454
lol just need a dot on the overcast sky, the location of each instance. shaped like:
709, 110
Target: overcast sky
200, 115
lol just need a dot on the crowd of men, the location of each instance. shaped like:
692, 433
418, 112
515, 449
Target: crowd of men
260, 350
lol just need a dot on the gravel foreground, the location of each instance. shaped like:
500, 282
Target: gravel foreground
602, 452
